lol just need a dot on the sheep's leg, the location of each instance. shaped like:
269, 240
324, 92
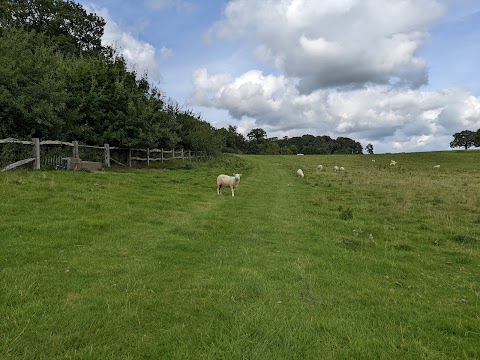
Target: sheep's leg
233, 192
218, 189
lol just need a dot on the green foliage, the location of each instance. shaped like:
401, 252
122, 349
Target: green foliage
369, 149
477, 139
257, 134
465, 139
198, 135
58, 82
234, 141
306, 144
66, 24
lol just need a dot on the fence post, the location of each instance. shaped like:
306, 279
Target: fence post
189, 155
129, 158
107, 154
75, 149
36, 153
182, 154
173, 153
148, 157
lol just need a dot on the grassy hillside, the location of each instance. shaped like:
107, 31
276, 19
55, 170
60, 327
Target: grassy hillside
378, 261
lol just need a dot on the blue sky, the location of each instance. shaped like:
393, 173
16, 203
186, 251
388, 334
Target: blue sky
399, 74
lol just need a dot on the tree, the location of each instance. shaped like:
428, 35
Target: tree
66, 24
257, 134
270, 147
477, 139
465, 138
369, 148
234, 141
33, 88
348, 146
199, 135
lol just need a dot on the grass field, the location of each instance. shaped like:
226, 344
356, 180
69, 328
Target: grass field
377, 262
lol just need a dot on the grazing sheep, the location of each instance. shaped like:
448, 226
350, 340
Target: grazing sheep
373, 160
300, 173
336, 168
436, 166
320, 167
228, 181
393, 163
341, 168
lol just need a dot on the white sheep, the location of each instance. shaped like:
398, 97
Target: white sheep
336, 168
300, 173
228, 181
392, 162
341, 168
436, 166
320, 167
373, 160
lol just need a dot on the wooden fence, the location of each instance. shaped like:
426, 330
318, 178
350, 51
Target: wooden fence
132, 155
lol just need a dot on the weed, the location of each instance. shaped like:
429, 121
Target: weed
351, 244
464, 239
346, 214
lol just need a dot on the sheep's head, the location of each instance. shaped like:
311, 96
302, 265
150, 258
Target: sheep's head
237, 177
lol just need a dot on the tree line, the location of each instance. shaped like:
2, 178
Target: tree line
57, 81
258, 143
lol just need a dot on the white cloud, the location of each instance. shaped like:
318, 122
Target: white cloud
410, 119
349, 68
140, 56
335, 43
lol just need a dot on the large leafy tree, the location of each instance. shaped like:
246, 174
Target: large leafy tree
66, 24
465, 139
257, 134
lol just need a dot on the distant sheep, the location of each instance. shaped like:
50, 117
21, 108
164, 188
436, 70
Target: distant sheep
228, 181
373, 160
436, 166
336, 168
393, 163
300, 173
320, 167
341, 168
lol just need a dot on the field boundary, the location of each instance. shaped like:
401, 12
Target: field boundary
125, 156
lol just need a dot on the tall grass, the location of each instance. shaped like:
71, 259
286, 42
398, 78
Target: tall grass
374, 262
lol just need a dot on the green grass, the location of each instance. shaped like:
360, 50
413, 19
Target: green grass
375, 262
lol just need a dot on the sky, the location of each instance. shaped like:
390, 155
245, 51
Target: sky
402, 75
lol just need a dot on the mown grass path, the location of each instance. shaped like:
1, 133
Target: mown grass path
375, 262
